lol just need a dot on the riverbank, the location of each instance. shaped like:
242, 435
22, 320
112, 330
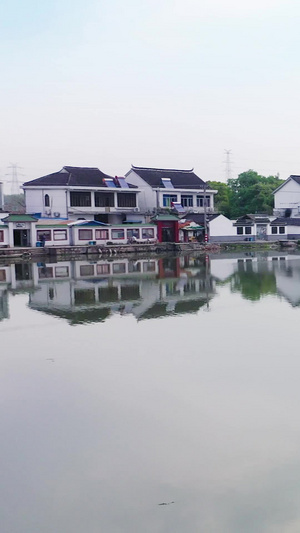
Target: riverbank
74, 252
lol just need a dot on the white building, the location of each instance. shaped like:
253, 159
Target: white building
163, 188
75, 192
287, 198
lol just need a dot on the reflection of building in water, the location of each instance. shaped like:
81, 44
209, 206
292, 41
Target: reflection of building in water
85, 291
262, 274
288, 280
3, 303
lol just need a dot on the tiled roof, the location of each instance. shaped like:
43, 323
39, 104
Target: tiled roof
249, 220
295, 178
73, 177
286, 222
198, 218
19, 218
180, 179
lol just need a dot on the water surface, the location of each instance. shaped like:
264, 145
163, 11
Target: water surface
129, 384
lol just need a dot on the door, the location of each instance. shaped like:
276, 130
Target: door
21, 237
261, 232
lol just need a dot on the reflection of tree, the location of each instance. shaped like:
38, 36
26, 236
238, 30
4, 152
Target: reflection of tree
254, 285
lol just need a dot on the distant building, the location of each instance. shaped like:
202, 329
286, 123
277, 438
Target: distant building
287, 198
166, 189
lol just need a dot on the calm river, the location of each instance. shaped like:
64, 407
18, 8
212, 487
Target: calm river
151, 395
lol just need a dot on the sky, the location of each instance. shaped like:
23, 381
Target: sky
157, 83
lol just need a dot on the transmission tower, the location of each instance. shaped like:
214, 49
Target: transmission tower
228, 165
14, 181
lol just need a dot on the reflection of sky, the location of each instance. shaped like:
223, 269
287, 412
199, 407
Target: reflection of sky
201, 410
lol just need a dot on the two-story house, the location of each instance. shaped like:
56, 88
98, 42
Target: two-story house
76, 192
287, 198
164, 188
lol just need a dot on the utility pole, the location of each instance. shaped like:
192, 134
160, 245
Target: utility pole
228, 165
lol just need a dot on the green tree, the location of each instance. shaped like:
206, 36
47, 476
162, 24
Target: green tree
252, 193
14, 203
222, 198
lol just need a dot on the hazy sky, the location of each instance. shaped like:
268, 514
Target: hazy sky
166, 83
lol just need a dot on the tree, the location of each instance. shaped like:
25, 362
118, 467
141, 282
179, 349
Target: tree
222, 198
252, 193
14, 203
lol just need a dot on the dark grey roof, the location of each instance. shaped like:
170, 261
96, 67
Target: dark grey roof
295, 178
73, 177
180, 179
198, 218
284, 221
249, 220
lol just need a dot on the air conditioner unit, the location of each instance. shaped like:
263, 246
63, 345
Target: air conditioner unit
48, 212
56, 214
135, 209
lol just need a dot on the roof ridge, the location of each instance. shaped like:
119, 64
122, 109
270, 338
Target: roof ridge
162, 169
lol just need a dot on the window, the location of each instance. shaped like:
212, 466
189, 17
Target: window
103, 269
281, 229
240, 230
1, 235
2, 275
101, 234
135, 232
274, 230
47, 200
119, 268
85, 234
84, 296
149, 266
126, 199
117, 234
168, 199
200, 201
147, 233
86, 270
186, 200
51, 293
167, 183
44, 234
134, 266
80, 199
248, 230
45, 272
104, 199
61, 272
60, 235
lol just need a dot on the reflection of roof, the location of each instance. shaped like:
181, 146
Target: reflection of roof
180, 179
74, 176
80, 316
159, 309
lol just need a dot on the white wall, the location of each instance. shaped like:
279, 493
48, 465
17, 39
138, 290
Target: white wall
221, 226
288, 197
34, 199
147, 196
